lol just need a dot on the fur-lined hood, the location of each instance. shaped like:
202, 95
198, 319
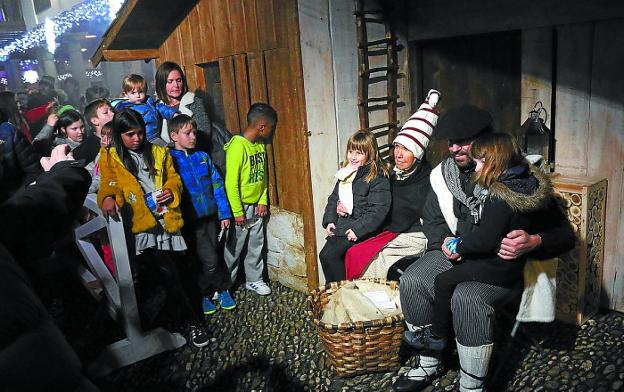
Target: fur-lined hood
522, 202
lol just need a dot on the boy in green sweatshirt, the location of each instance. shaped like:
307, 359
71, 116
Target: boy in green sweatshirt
246, 188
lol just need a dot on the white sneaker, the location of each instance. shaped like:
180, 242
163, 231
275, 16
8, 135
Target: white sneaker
259, 287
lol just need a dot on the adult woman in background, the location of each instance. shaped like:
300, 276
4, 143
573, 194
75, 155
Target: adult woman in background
172, 89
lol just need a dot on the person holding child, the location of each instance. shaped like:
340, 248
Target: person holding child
358, 206
452, 209
246, 188
134, 89
141, 177
204, 205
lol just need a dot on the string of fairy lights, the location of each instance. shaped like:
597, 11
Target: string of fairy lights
47, 32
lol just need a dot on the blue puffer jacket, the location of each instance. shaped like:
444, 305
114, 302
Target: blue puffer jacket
19, 164
204, 191
152, 113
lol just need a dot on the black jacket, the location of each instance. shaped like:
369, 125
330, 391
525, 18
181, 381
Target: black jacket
408, 201
19, 164
371, 203
550, 223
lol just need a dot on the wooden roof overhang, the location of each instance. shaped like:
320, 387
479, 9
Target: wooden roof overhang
140, 29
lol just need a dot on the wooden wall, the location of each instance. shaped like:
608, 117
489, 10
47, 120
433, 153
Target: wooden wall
571, 57
256, 44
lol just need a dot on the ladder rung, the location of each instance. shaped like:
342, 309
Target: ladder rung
379, 99
388, 146
378, 69
381, 133
375, 108
377, 52
374, 20
377, 42
377, 79
375, 127
368, 12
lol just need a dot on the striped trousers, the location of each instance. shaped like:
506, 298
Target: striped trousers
472, 303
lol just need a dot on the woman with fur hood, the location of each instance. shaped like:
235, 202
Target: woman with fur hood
514, 195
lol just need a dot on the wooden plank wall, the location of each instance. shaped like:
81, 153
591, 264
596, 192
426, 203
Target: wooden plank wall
256, 43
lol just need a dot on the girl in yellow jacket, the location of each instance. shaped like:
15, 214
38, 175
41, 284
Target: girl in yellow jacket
140, 175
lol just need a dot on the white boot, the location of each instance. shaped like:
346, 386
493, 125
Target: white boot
474, 363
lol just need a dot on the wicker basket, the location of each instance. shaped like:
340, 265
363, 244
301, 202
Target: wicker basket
360, 347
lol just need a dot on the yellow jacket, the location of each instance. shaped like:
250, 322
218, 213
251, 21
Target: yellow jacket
118, 182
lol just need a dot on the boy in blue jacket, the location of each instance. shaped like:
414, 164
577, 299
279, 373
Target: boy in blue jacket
204, 203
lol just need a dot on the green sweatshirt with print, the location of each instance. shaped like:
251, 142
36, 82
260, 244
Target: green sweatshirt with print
245, 173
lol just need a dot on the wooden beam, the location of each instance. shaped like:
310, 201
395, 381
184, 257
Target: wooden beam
129, 55
112, 31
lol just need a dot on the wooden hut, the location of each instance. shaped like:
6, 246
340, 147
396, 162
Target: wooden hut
305, 58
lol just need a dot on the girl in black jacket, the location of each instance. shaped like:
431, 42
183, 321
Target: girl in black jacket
358, 205
516, 197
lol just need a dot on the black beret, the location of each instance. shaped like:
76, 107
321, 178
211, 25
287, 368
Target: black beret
462, 122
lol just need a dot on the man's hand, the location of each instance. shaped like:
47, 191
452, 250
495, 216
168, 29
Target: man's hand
449, 255
341, 210
261, 210
52, 119
351, 235
330, 229
518, 243
109, 208
239, 220
59, 153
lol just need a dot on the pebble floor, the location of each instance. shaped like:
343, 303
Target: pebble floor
269, 344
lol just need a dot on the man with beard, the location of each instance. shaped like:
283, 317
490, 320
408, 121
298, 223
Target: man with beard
452, 209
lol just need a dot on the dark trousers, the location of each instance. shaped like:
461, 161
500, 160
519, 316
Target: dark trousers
201, 238
159, 289
332, 258
503, 275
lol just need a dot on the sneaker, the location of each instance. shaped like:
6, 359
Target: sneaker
226, 301
259, 287
199, 336
208, 306
424, 339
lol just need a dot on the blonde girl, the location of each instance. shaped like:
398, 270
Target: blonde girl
358, 205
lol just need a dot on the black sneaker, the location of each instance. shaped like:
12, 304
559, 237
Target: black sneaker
199, 337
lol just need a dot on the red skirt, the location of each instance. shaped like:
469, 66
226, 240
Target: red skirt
359, 256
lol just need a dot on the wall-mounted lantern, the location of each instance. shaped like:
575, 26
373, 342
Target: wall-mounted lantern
536, 138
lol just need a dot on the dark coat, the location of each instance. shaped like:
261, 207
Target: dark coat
551, 225
408, 201
34, 355
19, 164
371, 203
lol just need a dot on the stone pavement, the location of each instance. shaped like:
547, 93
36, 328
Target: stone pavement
269, 344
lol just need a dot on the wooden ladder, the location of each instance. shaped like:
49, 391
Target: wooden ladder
382, 52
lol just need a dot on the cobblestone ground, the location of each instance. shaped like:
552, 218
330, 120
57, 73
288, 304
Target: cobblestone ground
269, 344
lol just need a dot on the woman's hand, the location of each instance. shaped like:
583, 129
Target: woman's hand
165, 197
351, 235
331, 228
449, 255
225, 224
341, 210
109, 208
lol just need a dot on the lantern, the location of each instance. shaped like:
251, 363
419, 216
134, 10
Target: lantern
537, 138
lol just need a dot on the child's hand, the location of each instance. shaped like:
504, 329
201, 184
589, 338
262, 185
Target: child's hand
225, 224
109, 209
261, 210
52, 119
449, 255
239, 220
351, 235
330, 229
341, 209
165, 197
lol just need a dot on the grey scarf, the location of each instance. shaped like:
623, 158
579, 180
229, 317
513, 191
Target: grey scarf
450, 171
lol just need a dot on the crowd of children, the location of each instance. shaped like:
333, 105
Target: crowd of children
178, 206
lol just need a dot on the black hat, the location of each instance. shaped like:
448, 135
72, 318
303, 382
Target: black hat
463, 122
